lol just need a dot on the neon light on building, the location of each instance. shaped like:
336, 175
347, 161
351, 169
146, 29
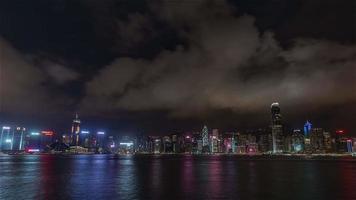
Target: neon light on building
101, 133
47, 133
307, 128
33, 150
35, 133
8, 140
85, 132
6, 128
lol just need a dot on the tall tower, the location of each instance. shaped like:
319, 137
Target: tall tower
5, 138
277, 129
307, 128
75, 131
205, 136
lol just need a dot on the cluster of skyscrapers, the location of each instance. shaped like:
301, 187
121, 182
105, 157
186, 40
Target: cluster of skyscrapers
19, 139
275, 139
272, 140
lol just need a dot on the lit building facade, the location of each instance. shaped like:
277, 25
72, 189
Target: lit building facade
277, 129
75, 131
205, 139
6, 138
297, 141
317, 140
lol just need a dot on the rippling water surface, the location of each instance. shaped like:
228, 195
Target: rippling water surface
173, 177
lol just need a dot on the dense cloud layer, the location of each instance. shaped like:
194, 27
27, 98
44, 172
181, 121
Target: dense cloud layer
227, 64
26, 88
217, 59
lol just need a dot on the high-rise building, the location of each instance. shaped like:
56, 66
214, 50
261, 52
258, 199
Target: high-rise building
157, 145
84, 139
317, 140
215, 141
19, 137
75, 131
33, 141
234, 143
242, 142
307, 128
167, 144
47, 138
328, 142
205, 136
297, 141
264, 140
277, 129
174, 143
6, 138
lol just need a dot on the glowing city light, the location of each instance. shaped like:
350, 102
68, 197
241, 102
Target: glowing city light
35, 133
6, 127
33, 150
8, 140
112, 145
47, 133
187, 136
126, 143
340, 131
18, 128
101, 133
85, 132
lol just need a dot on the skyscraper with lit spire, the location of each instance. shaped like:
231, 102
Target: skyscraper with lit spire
277, 129
75, 130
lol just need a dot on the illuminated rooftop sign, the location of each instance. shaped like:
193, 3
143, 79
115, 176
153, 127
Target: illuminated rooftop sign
101, 133
6, 127
85, 132
47, 133
35, 133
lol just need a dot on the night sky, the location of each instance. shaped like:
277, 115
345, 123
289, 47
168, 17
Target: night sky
158, 67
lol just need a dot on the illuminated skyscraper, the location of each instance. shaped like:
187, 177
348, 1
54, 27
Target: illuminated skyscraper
307, 128
214, 141
5, 138
277, 129
317, 140
205, 137
19, 136
297, 141
75, 131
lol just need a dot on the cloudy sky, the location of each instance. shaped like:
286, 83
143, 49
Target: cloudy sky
174, 65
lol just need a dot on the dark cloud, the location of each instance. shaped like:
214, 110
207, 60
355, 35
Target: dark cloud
60, 74
177, 60
21, 82
209, 74
25, 86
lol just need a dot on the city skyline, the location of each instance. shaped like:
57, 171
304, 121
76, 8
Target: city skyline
72, 130
163, 65
275, 139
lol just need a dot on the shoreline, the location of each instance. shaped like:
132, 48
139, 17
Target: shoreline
344, 157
